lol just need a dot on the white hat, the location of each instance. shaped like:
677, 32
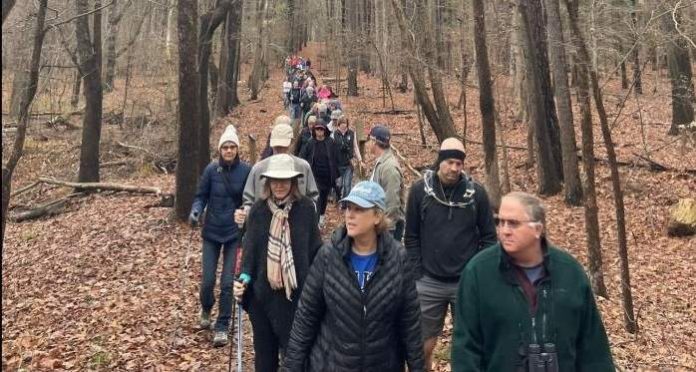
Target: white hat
335, 114
229, 135
281, 166
282, 119
281, 135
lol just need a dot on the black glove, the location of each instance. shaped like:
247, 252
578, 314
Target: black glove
193, 218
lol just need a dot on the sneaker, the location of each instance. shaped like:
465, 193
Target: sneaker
220, 338
204, 321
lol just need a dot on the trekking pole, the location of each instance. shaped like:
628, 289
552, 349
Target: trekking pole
238, 311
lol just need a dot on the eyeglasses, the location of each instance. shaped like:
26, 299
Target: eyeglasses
227, 148
513, 224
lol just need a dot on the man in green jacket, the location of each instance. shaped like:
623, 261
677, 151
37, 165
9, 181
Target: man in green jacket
522, 300
387, 173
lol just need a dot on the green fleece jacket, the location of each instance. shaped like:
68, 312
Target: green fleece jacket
494, 324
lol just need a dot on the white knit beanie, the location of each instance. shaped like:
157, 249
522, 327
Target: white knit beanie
229, 135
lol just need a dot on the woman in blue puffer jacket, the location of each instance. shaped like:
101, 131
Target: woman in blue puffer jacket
220, 190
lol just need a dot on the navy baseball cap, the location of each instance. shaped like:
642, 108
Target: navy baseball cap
380, 133
367, 194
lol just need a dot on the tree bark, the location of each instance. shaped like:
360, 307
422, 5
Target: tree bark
487, 105
188, 115
680, 74
7, 6
351, 32
260, 53
113, 20
18, 147
571, 173
542, 110
227, 97
92, 89
594, 249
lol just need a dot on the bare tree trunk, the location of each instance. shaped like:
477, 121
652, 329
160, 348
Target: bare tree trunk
113, 20
89, 56
75, 96
438, 114
680, 75
594, 249
487, 105
260, 53
171, 24
571, 173
189, 116
227, 97
18, 147
542, 110
637, 80
350, 31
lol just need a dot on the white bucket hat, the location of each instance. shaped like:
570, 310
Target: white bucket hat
282, 167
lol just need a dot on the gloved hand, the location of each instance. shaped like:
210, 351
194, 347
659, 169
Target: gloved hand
193, 218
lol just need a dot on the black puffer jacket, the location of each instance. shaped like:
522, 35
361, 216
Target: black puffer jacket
338, 328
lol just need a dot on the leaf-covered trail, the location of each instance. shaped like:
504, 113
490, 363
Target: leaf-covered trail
104, 287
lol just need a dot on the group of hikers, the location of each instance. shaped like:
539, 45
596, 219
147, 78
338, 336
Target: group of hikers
363, 301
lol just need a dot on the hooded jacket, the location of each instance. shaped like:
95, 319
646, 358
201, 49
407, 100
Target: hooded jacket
220, 190
494, 324
443, 232
339, 328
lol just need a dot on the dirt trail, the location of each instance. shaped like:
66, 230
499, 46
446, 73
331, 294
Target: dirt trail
104, 286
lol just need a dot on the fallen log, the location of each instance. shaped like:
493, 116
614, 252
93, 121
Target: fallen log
103, 186
47, 209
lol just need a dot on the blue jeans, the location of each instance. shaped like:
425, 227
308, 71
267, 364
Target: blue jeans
209, 262
346, 174
294, 110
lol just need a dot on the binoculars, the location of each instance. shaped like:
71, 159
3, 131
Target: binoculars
542, 359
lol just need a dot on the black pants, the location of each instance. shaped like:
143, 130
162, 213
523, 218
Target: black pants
324, 191
271, 332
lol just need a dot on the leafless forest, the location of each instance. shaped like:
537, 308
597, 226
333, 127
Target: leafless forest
111, 109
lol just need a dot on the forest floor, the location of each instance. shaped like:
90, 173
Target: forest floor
104, 285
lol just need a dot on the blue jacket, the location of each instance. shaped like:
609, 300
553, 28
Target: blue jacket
221, 198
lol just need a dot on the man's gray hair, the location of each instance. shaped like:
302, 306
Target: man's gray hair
532, 204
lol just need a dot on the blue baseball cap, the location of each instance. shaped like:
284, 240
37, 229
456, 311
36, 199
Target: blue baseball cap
380, 133
367, 194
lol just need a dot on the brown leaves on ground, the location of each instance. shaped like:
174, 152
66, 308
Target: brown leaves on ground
104, 285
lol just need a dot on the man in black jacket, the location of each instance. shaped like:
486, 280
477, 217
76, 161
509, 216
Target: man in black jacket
322, 155
448, 221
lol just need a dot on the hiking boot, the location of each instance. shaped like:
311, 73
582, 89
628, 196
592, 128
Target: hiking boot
204, 322
220, 338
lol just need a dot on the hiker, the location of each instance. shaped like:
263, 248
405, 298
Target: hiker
307, 100
220, 194
387, 173
358, 310
312, 111
347, 144
325, 92
448, 220
334, 117
305, 135
523, 296
281, 137
279, 247
324, 115
322, 155
294, 100
287, 86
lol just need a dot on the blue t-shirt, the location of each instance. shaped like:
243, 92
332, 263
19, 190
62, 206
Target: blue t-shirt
363, 266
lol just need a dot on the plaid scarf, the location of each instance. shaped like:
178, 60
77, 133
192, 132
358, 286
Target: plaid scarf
280, 264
